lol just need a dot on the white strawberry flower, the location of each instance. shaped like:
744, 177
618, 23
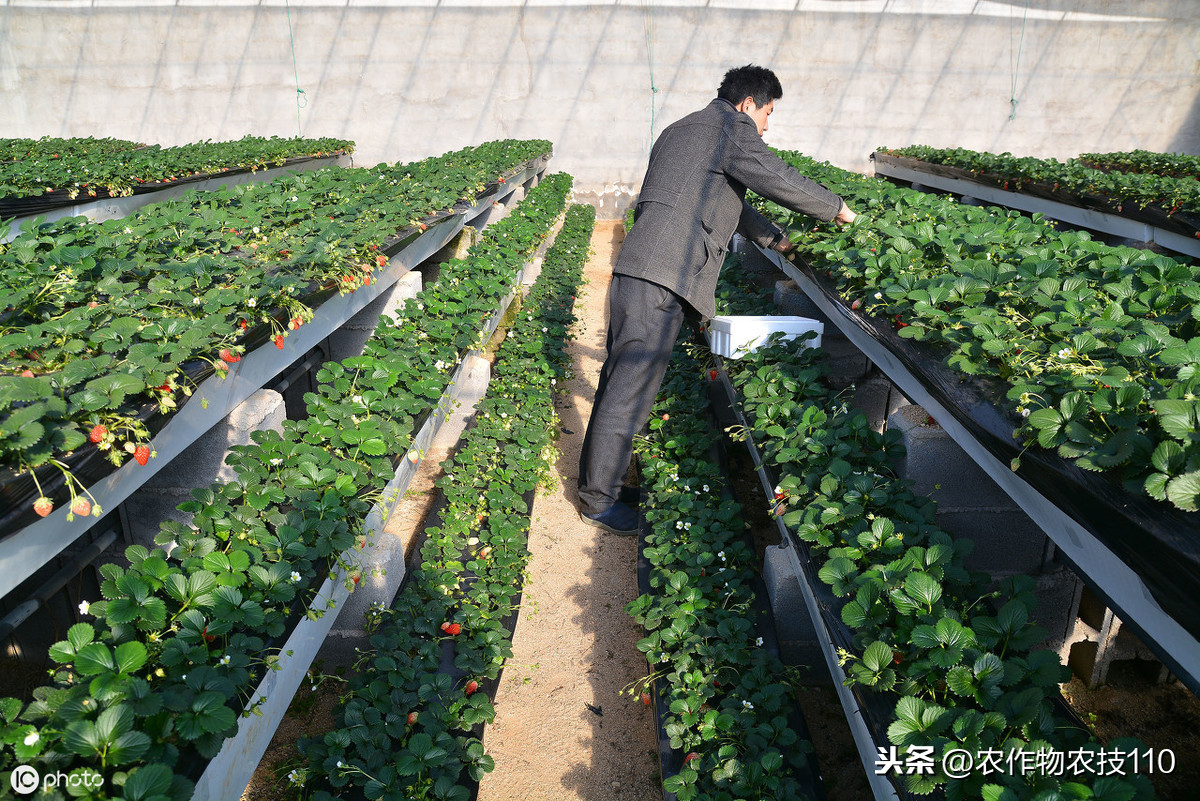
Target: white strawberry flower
225, 660
31, 738
252, 303
749, 707
878, 296
196, 301
84, 606
295, 576
256, 229
705, 488
758, 642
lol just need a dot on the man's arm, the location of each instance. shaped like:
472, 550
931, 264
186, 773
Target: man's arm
757, 228
750, 162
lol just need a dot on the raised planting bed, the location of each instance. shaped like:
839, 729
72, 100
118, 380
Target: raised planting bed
254, 562
927, 657
134, 334
40, 176
1089, 344
729, 725
1173, 224
121, 206
1137, 555
413, 718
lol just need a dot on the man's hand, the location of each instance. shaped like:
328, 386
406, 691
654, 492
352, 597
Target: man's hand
845, 215
787, 247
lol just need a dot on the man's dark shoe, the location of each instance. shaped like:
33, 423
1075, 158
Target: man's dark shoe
617, 519
630, 496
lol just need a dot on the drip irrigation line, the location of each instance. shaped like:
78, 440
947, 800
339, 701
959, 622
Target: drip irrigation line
650, 51
1020, 45
300, 95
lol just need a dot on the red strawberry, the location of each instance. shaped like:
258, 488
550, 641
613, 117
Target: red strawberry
43, 506
92, 304
471, 687
690, 757
445, 625
242, 324
279, 341
26, 374
645, 699
164, 388
141, 455
98, 433
423, 227
207, 637
381, 260
356, 577
857, 304
712, 375
412, 718
666, 417
81, 506
453, 629
501, 180
295, 323
227, 356
897, 657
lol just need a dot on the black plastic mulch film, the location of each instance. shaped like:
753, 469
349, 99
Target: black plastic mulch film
1157, 541
18, 491
1181, 222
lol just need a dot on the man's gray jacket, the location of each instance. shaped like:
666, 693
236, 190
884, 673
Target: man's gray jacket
693, 199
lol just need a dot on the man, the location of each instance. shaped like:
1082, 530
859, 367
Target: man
692, 201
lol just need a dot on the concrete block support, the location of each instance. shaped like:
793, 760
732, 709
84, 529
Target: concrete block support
794, 626
878, 398
1097, 640
201, 465
970, 504
349, 339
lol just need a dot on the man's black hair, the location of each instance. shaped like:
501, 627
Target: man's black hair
750, 81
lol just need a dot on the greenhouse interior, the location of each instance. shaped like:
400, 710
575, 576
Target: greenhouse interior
334, 468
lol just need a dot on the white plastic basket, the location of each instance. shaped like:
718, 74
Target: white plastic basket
733, 337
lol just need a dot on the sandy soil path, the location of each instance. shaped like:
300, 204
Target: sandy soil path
563, 731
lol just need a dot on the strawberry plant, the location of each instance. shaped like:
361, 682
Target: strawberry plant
410, 725
1140, 188
116, 322
953, 660
186, 630
113, 168
726, 707
1097, 345
1173, 165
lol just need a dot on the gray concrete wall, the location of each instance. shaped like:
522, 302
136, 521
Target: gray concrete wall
409, 78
